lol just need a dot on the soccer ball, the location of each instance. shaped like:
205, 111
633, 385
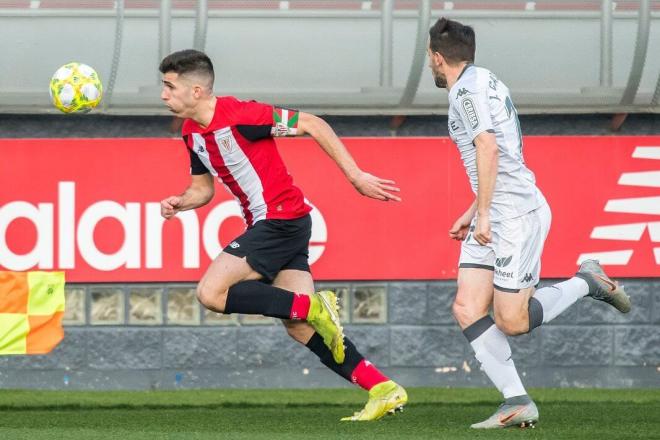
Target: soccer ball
75, 88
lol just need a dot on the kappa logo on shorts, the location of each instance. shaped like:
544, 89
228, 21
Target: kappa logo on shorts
527, 278
503, 261
234, 245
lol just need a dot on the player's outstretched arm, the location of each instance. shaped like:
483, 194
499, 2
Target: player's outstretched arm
199, 193
366, 184
487, 158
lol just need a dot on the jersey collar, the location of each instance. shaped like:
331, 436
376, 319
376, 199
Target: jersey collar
467, 66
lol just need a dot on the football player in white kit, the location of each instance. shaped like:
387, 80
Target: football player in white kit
504, 229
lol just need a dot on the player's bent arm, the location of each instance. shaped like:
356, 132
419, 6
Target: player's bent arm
365, 183
326, 137
199, 193
487, 158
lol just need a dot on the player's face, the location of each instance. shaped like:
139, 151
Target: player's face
177, 94
435, 63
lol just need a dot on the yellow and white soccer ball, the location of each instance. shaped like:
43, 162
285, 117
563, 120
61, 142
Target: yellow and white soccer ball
75, 88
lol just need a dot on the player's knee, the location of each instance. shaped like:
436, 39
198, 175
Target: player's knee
460, 312
212, 298
465, 313
511, 325
297, 330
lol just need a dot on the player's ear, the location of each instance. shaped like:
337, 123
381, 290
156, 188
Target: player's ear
438, 59
433, 57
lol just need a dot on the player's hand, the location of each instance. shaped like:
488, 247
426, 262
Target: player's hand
375, 187
460, 228
482, 230
170, 206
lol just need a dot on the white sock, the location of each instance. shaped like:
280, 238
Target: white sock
493, 351
555, 299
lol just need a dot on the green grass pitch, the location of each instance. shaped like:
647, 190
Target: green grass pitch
432, 413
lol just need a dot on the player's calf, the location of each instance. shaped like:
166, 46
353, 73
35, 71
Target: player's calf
512, 326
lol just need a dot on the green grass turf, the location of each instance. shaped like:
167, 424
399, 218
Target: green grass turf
313, 414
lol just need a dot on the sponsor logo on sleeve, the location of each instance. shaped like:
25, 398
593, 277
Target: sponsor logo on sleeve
470, 112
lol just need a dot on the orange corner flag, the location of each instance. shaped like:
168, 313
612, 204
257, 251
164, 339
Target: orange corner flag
31, 311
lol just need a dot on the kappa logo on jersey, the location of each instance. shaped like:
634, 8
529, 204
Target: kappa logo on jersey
527, 278
201, 149
470, 112
463, 91
503, 261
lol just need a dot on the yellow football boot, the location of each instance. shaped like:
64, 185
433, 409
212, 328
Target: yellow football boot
384, 398
323, 315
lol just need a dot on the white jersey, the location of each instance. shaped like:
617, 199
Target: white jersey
480, 102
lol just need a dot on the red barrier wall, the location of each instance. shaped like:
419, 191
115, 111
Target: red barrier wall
90, 207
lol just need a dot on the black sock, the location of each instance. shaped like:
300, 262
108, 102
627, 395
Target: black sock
351, 360
535, 313
257, 298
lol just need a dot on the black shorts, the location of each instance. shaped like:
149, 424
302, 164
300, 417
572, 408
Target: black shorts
274, 245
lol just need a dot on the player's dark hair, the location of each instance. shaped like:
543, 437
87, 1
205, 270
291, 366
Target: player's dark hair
453, 40
188, 61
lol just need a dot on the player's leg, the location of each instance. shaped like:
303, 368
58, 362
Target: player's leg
491, 347
519, 308
384, 394
520, 313
355, 368
492, 350
230, 283
230, 286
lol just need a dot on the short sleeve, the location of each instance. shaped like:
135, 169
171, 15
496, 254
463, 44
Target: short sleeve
196, 165
256, 120
475, 113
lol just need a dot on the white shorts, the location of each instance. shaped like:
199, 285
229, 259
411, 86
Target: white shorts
515, 251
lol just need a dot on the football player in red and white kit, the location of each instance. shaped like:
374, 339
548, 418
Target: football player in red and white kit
265, 271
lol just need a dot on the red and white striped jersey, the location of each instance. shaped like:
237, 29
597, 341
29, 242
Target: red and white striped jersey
238, 148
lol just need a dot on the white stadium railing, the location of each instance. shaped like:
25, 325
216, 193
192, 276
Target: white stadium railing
343, 56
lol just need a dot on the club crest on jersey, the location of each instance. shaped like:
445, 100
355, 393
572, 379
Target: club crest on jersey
226, 144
